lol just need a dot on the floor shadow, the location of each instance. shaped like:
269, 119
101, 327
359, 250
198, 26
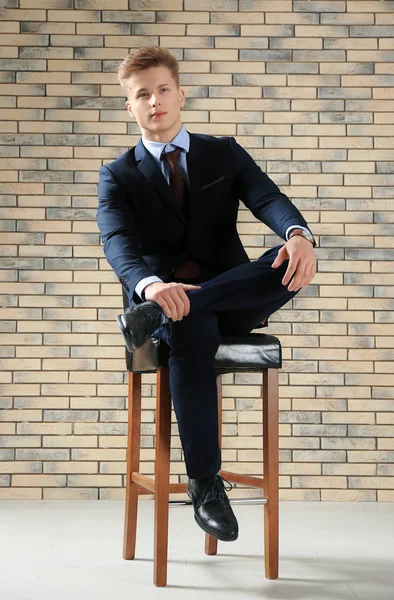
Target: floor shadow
326, 575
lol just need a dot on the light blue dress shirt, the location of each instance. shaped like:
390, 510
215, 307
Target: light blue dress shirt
182, 141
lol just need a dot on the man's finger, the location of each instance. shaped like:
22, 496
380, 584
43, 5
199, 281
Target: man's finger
298, 281
179, 303
173, 307
189, 286
164, 306
279, 258
291, 269
184, 300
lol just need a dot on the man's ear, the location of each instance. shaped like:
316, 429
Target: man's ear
127, 105
182, 99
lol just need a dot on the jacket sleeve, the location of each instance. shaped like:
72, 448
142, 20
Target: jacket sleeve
261, 195
119, 234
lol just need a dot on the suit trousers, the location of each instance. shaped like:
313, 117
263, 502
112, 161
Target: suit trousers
232, 303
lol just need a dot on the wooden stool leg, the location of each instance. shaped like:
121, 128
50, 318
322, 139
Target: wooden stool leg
211, 543
132, 462
162, 475
271, 471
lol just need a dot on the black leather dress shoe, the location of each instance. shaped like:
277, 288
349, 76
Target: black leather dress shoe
138, 323
212, 509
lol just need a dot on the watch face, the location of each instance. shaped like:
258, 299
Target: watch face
309, 237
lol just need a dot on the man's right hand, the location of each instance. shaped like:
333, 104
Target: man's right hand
172, 298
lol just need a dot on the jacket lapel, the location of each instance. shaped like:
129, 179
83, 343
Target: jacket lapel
199, 162
148, 166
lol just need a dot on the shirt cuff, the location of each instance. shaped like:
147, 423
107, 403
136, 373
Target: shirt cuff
295, 227
141, 285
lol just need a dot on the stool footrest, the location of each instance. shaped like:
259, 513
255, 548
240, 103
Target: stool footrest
148, 485
255, 482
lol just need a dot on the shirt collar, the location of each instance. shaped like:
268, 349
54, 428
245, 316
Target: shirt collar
181, 140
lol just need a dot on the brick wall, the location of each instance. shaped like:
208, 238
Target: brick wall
307, 89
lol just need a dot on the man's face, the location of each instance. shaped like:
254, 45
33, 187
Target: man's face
154, 90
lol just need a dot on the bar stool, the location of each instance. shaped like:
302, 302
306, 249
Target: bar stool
255, 352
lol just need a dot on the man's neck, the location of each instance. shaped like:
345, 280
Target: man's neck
159, 138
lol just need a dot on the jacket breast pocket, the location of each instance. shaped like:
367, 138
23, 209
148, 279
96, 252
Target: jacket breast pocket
204, 187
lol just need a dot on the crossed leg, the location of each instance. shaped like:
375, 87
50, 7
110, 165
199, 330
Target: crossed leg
193, 345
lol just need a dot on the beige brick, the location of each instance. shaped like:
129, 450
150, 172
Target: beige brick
70, 494
11, 441
72, 90
299, 469
162, 16
101, 128
70, 467
353, 469
8, 52
71, 15
373, 6
371, 482
348, 496
20, 39
385, 418
23, 188
47, 151
20, 467
95, 480
266, 30
300, 495
301, 442
9, 175
72, 339
299, 481
323, 31
44, 428
265, 5
39, 480
291, 18
17, 363
69, 441
20, 493
386, 444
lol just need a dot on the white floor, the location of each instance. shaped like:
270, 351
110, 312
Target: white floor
72, 550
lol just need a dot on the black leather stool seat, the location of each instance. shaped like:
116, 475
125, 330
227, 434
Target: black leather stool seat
238, 354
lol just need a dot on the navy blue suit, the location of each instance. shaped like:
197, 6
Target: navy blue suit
145, 233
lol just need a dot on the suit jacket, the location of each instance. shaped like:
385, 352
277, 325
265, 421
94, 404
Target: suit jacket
144, 229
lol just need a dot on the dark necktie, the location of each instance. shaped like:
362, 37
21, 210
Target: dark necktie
190, 268
176, 180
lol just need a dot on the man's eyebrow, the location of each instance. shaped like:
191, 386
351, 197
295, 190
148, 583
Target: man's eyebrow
142, 89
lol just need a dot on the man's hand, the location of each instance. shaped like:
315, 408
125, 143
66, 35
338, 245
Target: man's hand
302, 262
172, 298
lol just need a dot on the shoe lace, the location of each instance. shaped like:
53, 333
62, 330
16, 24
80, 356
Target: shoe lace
217, 488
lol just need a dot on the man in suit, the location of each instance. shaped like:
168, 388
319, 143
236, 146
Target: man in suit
167, 215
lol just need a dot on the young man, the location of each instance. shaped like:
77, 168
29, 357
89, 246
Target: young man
167, 215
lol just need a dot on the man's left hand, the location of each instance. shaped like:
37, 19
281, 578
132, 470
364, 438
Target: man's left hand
302, 262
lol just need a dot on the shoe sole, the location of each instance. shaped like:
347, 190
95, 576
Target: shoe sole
129, 345
207, 530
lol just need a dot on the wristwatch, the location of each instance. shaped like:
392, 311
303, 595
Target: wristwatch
306, 234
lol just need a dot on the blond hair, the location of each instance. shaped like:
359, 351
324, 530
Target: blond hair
145, 58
